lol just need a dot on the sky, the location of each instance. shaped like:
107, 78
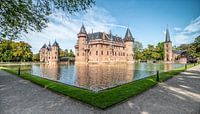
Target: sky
147, 20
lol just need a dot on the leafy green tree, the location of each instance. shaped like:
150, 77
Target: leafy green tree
15, 51
151, 52
63, 53
36, 57
22, 16
137, 46
71, 53
196, 45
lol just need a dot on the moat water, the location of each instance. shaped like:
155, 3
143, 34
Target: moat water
97, 77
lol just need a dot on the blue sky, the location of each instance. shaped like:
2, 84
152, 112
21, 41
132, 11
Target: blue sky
147, 20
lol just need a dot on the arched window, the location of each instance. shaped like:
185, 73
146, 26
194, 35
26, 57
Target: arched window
96, 52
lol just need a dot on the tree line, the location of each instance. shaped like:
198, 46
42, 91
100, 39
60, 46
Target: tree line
11, 51
150, 53
157, 52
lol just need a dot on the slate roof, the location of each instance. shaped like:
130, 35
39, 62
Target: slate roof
167, 38
82, 31
128, 36
99, 35
179, 52
44, 46
55, 44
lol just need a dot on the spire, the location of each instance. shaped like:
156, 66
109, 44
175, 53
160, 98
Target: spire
49, 44
55, 43
167, 38
92, 35
82, 31
44, 46
110, 35
128, 36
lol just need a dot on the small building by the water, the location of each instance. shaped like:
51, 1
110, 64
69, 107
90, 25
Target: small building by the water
50, 53
180, 56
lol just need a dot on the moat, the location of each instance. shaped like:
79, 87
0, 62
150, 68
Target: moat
97, 77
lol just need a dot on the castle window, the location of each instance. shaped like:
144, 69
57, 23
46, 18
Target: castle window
107, 53
49, 58
96, 52
55, 57
83, 54
101, 52
166, 45
90, 52
115, 54
77, 54
101, 45
124, 54
55, 52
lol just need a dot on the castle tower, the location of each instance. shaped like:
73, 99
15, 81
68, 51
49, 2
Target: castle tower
55, 52
167, 48
42, 53
81, 46
128, 40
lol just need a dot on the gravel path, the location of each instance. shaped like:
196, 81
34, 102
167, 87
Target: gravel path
179, 95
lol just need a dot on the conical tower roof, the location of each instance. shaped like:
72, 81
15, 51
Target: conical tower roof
82, 31
44, 46
55, 44
167, 38
128, 36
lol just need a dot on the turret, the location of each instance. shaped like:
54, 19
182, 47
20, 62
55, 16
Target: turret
128, 41
55, 52
81, 44
43, 52
167, 47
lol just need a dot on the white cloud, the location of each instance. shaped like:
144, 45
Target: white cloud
64, 29
194, 26
188, 34
177, 29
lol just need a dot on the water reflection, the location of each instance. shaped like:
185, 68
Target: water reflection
50, 71
97, 76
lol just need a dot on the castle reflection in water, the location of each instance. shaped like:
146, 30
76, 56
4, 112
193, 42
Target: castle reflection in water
98, 76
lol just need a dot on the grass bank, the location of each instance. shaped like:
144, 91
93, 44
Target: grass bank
105, 98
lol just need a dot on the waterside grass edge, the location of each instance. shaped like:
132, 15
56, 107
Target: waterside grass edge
105, 98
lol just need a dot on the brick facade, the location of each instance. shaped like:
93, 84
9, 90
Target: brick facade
49, 54
102, 47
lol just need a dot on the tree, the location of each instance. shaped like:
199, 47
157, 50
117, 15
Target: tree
15, 51
21, 16
71, 53
137, 46
151, 52
63, 53
36, 57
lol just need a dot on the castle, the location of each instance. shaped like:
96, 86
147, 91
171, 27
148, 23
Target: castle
102, 47
49, 54
173, 55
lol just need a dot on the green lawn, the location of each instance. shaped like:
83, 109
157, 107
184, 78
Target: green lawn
105, 98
